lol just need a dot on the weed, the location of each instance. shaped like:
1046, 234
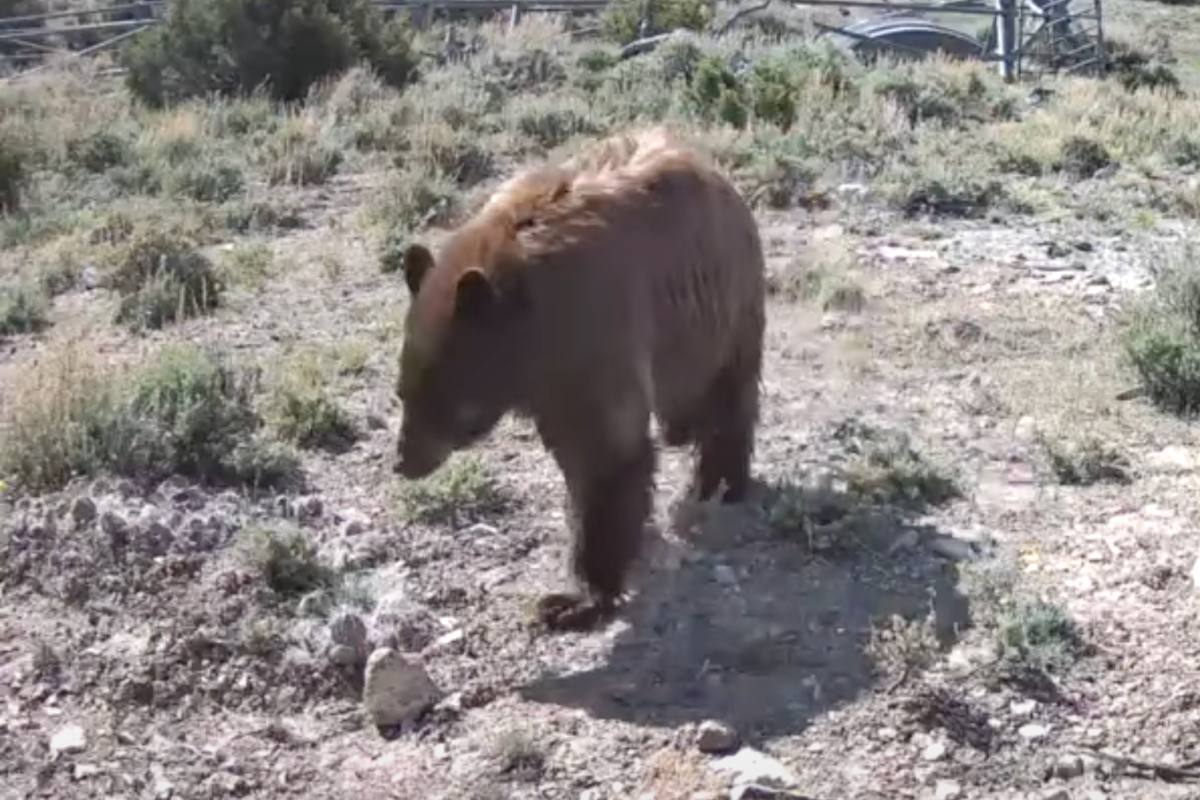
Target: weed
248, 265
903, 646
161, 278
460, 492
1038, 635
286, 559
23, 309
626, 20
1162, 338
887, 469
1085, 462
13, 175
184, 411
297, 156
302, 411
99, 151
518, 756
215, 181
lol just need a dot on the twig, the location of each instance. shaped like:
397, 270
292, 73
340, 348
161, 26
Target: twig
739, 14
1131, 394
639, 46
1135, 768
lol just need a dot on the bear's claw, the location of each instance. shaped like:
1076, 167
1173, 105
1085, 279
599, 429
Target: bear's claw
572, 612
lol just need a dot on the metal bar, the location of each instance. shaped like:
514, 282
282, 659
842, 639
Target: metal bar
83, 12
885, 44
47, 33
978, 12
85, 51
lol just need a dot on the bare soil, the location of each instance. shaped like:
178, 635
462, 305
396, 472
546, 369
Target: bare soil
975, 336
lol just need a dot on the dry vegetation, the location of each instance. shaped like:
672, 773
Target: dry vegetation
968, 567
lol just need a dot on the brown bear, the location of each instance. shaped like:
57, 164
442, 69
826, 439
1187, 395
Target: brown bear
586, 296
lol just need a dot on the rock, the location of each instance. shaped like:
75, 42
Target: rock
752, 768
116, 528
953, 548
1033, 731
83, 511
714, 736
947, 790
309, 507
1068, 766
344, 656
1022, 708
724, 574
348, 630
153, 536
354, 523
69, 739
84, 771
934, 751
403, 624
1056, 794
89, 277
1026, 429
1173, 459
395, 690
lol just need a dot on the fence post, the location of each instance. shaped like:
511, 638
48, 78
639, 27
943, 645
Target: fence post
1006, 35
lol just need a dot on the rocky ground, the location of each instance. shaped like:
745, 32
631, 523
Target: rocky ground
141, 654
967, 569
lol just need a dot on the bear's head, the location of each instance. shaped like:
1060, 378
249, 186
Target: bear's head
460, 356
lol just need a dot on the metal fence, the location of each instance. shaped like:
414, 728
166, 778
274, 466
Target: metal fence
1018, 35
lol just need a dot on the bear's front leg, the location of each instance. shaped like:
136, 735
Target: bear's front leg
610, 481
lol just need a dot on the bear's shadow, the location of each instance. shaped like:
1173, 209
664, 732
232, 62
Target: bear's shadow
759, 629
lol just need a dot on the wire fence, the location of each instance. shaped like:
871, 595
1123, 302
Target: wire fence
1069, 30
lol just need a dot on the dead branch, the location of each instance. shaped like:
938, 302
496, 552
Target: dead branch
739, 14
1135, 768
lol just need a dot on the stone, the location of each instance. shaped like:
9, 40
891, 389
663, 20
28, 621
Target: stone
1026, 429
714, 736
83, 511
343, 655
349, 630
752, 768
309, 507
153, 536
116, 528
1068, 766
1022, 708
396, 690
724, 574
947, 790
1033, 731
934, 751
1173, 459
89, 277
1056, 794
953, 548
68, 740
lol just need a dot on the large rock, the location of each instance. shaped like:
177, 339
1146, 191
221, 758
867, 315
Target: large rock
68, 740
396, 690
714, 736
750, 770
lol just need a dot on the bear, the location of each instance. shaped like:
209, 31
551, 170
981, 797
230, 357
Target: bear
589, 296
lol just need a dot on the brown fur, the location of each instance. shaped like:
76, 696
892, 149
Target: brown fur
588, 296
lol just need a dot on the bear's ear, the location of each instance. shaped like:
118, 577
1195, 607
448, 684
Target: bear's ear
475, 297
417, 261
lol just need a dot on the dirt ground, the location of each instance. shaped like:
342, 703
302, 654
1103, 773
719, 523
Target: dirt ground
126, 668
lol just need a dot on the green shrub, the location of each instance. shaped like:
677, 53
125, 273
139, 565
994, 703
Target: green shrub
236, 46
162, 278
99, 151
1162, 339
622, 19
460, 492
186, 412
286, 560
22, 310
297, 156
214, 181
13, 174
